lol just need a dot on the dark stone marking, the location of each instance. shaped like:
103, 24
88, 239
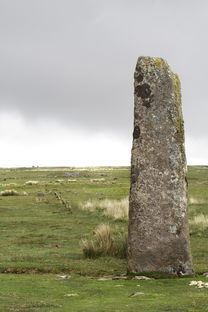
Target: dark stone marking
134, 174
139, 78
136, 133
178, 232
148, 101
143, 91
146, 104
138, 69
180, 271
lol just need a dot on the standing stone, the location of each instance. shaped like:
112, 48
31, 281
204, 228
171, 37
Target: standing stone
158, 226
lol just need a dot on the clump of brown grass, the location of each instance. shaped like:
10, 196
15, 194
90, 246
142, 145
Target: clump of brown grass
104, 244
97, 180
32, 183
117, 209
12, 193
60, 181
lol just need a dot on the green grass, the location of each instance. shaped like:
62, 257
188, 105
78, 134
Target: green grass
39, 235
48, 293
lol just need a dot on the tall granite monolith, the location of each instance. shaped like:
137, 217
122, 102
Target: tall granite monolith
158, 237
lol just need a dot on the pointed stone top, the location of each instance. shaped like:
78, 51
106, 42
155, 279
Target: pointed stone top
148, 61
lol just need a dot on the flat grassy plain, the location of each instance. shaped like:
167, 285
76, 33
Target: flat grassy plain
40, 237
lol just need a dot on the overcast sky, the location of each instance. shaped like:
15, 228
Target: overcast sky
66, 76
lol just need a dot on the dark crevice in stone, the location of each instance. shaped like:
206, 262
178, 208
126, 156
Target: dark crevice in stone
178, 232
139, 78
134, 174
136, 133
146, 103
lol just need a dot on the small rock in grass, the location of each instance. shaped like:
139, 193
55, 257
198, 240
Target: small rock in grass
193, 283
142, 278
205, 274
71, 295
64, 276
199, 284
119, 277
105, 279
137, 294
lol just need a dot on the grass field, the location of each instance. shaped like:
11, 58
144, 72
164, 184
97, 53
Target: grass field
41, 231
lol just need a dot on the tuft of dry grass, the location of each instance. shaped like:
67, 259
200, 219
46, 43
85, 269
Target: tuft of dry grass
12, 193
101, 245
104, 238
60, 181
200, 220
97, 180
32, 183
196, 201
8, 184
104, 244
117, 209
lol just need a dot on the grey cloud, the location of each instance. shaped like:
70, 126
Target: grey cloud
74, 60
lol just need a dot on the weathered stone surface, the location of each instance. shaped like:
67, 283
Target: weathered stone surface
158, 228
